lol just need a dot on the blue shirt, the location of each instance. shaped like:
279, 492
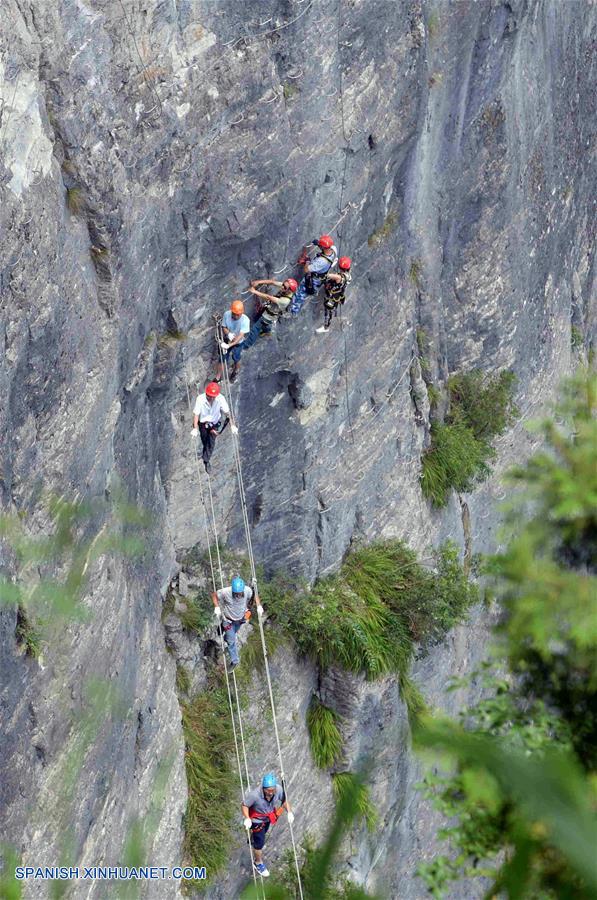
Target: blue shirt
236, 326
321, 265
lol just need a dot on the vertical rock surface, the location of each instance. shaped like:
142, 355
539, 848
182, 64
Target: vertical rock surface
153, 158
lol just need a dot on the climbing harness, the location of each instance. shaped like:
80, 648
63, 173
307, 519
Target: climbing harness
245, 514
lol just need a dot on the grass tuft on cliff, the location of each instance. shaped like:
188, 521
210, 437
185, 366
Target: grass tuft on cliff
481, 408
347, 784
209, 748
324, 736
368, 617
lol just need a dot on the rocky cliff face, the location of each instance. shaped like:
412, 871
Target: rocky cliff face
154, 157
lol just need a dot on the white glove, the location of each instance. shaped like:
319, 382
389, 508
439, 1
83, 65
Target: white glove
260, 610
224, 345
194, 432
247, 823
234, 429
217, 613
290, 818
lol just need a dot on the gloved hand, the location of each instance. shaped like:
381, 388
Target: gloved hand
254, 583
260, 610
234, 429
247, 823
290, 817
217, 613
194, 432
224, 346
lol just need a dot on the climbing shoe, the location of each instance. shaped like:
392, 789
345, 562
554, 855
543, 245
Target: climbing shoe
233, 376
260, 867
207, 467
322, 330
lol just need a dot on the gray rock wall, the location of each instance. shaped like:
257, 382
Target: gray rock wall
156, 156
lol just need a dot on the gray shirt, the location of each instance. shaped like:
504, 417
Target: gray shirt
234, 608
257, 802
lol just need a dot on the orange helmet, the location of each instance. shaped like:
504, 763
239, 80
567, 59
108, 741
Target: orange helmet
237, 307
212, 389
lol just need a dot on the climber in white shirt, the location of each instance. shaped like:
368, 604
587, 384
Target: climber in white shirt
207, 420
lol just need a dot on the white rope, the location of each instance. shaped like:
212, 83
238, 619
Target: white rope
245, 514
221, 632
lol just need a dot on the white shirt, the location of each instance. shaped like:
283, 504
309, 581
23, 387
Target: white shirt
211, 412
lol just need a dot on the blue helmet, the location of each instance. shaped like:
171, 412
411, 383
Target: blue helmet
269, 780
238, 585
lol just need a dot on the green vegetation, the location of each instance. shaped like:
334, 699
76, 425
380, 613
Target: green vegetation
324, 735
75, 200
26, 634
368, 616
414, 273
483, 404
455, 460
434, 395
46, 579
183, 681
209, 746
520, 797
197, 616
382, 233
423, 344
251, 657
433, 24
480, 409
576, 338
171, 338
347, 785
290, 90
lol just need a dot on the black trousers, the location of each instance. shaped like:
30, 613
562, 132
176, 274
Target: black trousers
208, 433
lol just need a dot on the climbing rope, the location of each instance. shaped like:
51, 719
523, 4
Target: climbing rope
212, 567
245, 515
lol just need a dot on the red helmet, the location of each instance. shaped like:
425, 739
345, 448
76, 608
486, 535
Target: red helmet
344, 262
325, 242
212, 389
292, 284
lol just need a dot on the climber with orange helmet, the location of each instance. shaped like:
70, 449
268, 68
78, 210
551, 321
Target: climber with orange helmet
274, 307
315, 270
207, 420
235, 327
334, 286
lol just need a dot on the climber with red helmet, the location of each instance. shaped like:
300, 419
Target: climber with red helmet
207, 420
334, 286
235, 328
315, 270
275, 305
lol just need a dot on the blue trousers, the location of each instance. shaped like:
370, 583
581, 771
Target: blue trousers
259, 327
230, 638
302, 291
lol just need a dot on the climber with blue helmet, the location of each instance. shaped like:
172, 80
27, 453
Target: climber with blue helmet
262, 808
231, 608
